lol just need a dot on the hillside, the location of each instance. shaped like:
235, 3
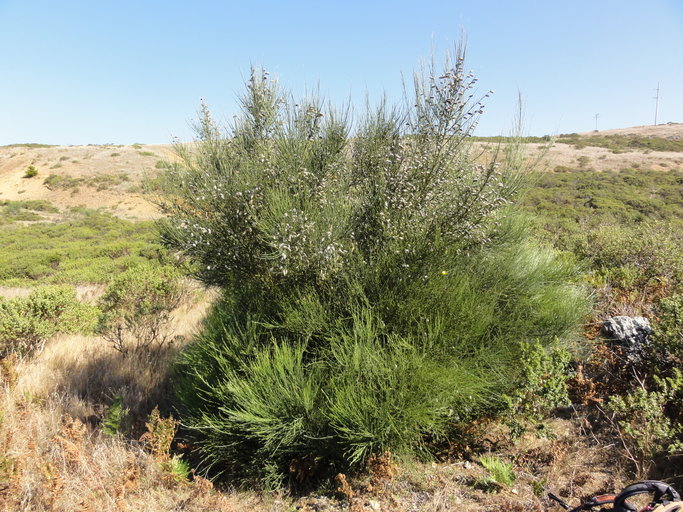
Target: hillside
105, 177
108, 176
673, 131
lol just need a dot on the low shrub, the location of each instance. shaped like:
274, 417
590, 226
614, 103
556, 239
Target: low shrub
66, 252
644, 422
98, 181
13, 211
25, 323
668, 336
60, 181
31, 172
116, 421
38, 205
588, 199
500, 473
137, 305
634, 258
622, 143
107, 181
542, 384
32, 145
21, 333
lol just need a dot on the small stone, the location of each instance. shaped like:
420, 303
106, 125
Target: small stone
631, 333
627, 330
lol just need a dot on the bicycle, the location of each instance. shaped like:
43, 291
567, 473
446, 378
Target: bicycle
659, 503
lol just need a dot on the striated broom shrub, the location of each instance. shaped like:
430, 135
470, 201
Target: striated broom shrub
377, 289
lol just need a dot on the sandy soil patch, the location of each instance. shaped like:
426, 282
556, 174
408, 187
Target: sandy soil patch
126, 165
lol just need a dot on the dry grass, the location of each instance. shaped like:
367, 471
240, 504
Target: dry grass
90, 368
54, 456
12, 292
52, 461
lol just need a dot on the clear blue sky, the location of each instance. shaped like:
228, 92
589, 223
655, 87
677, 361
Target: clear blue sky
79, 72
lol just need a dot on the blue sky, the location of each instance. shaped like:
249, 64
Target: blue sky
80, 72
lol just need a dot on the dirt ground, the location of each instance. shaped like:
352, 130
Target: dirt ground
125, 164
601, 159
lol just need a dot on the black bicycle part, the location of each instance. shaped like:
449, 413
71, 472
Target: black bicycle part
658, 489
596, 501
555, 498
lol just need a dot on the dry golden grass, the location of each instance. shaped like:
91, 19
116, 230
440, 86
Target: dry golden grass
54, 456
51, 461
90, 368
7, 292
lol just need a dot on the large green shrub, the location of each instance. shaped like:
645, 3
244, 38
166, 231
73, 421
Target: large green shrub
376, 289
290, 198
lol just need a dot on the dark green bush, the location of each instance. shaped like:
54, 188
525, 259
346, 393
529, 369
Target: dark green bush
643, 420
274, 387
117, 420
377, 290
542, 385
